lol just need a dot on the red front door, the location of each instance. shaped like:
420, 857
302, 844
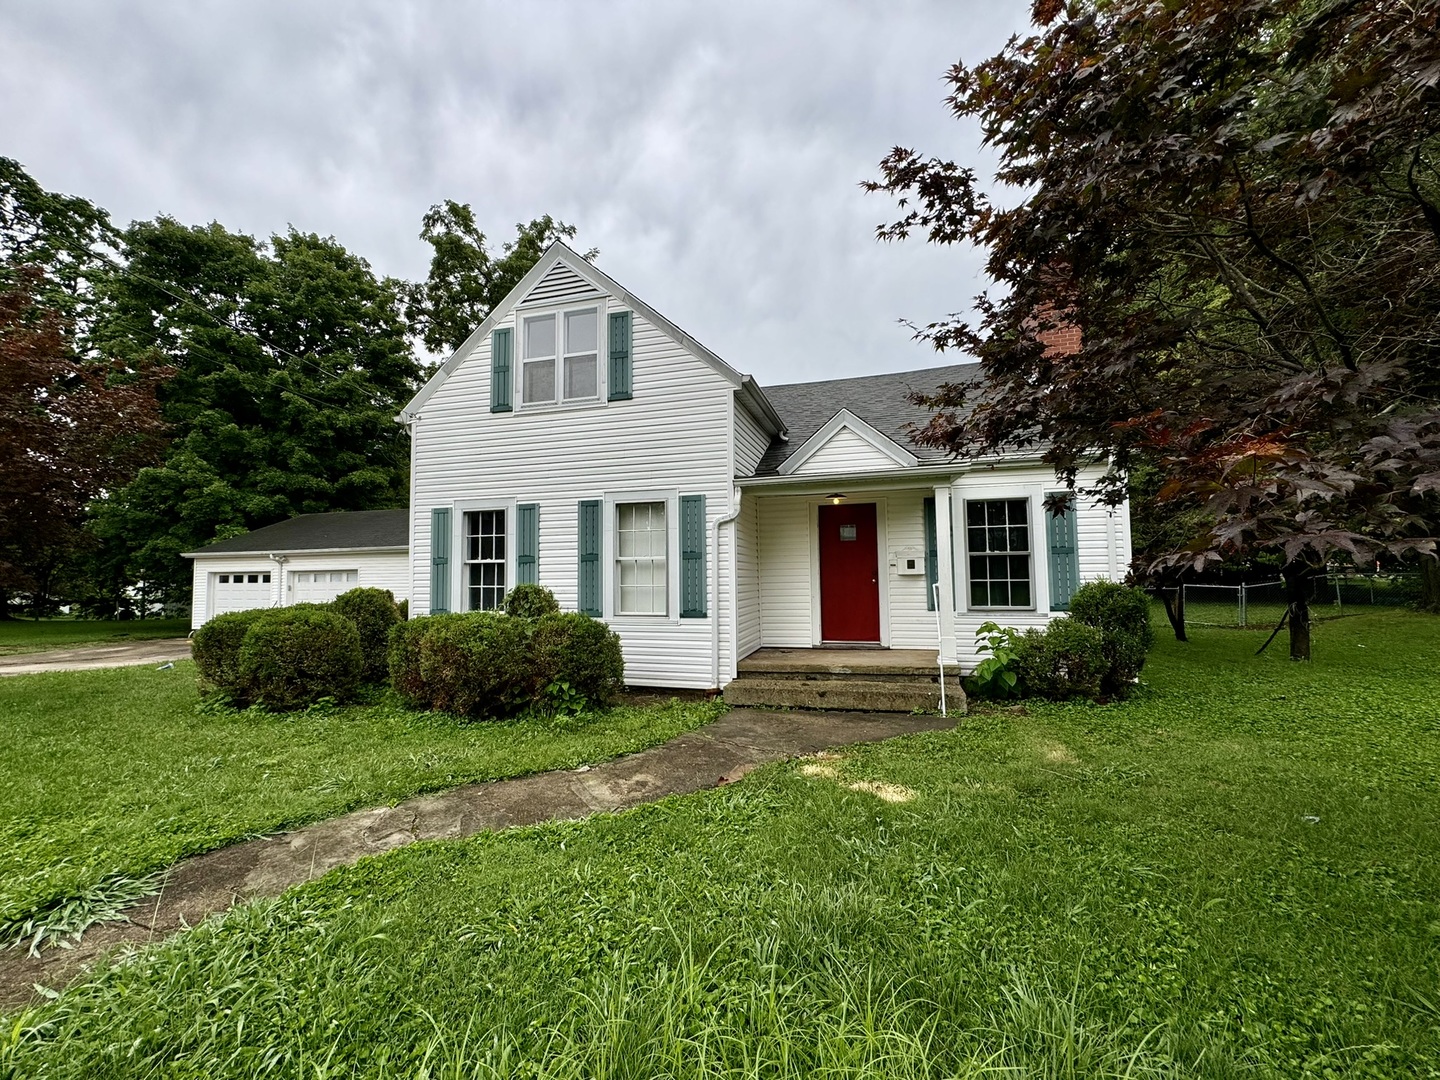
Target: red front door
849, 574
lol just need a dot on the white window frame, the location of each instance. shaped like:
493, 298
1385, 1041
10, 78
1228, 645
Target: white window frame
609, 553
460, 577
602, 353
966, 498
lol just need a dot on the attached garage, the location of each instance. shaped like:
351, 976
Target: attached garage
307, 559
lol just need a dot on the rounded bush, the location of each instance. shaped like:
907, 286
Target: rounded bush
216, 648
404, 658
530, 602
580, 652
478, 664
374, 612
1122, 614
295, 656
1065, 660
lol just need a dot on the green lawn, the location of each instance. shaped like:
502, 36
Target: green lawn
36, 635
117, 773
1235, 874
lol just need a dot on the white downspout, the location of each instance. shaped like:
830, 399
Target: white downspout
735, 497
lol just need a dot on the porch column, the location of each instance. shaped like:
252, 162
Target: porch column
945, 549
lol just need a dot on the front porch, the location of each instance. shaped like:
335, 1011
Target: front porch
872, 680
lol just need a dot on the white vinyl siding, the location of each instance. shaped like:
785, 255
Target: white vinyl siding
673, 434
560, 286
845, 452
751, 442
747, 577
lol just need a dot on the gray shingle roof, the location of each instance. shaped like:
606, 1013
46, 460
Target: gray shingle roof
318, 532
879, 400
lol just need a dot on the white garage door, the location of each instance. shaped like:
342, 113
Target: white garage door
318, 586
240, 591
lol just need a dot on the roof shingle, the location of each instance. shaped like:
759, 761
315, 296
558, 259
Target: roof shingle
319, 532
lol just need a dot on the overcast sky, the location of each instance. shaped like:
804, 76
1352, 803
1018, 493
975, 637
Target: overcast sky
711, 152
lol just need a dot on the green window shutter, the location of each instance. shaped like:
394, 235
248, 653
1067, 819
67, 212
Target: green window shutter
692, 556
589, 590
500, 380
527, 544
439, 559
1064, 557
619, 384
932, 555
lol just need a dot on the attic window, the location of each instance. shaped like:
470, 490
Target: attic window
563, 340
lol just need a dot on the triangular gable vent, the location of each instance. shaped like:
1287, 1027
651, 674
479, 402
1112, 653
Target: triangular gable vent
846, 444
560, 286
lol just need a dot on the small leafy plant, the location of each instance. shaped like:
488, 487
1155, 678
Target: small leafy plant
995, 677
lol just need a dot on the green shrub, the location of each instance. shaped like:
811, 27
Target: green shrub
1065, 660
403, 657
374, 612
995, 676
295, 656
576, 655
1122, 614
404, 610
478, 664
530, 602
216, 648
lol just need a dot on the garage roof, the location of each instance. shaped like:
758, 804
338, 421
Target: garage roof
351, 530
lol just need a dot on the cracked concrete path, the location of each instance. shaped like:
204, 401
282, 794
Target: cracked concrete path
725, 750
89, 657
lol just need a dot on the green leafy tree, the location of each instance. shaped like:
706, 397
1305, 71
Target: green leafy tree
466, 279
1238, 203
290, 362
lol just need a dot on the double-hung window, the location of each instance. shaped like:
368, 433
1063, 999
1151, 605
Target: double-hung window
641, 575
997, 540
559, 357
484, 560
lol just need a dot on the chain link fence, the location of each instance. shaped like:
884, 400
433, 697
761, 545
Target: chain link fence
1331, 597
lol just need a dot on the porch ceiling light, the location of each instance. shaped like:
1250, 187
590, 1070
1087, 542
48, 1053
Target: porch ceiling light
835, 497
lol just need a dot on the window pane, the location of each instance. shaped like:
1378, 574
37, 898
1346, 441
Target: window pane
975, 513
580, 327
1020, 567
999, 539
1020, 593
265, 578
540, 337
999, 594
540, 380
640, 545
1017, 511
995, 513
580, 381
977, 539
1019, 538
979, 594
978, 570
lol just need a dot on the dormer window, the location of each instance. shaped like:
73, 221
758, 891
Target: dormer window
560, 355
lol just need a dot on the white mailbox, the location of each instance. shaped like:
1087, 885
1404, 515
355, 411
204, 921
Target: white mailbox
909, 561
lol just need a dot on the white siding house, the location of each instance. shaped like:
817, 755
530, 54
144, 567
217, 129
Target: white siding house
581, 440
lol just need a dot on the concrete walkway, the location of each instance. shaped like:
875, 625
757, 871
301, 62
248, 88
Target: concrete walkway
89, 657
726, 750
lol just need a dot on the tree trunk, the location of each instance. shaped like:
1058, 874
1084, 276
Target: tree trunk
1430, 583
1173, 597
1297, 594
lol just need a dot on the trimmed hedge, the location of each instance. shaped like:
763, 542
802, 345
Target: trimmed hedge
1065, 660
216, 648
483, 664
1122, 614
374, 613
531, 602
295, 656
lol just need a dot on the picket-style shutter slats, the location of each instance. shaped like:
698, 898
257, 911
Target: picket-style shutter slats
1064, 557
932, 555
589, 591
500, 379
439, 559
692, 557
620, 366
527, 544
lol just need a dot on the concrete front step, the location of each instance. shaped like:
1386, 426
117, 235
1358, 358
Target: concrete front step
857, 694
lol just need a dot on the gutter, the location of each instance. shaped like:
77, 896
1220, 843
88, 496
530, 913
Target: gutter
271, 552
715, 590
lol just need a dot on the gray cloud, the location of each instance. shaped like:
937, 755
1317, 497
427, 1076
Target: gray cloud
712, 153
